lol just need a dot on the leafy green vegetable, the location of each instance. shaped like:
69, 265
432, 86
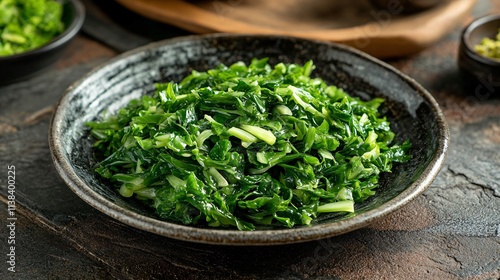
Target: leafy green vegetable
28, 24
247, 145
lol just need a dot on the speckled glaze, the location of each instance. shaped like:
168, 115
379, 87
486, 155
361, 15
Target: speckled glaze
21, 66
413, 113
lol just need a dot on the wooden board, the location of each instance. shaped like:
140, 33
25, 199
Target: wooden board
382, 33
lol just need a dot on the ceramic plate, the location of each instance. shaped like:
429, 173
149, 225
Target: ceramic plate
413, 113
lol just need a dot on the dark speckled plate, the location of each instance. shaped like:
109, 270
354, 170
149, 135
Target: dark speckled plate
413, 112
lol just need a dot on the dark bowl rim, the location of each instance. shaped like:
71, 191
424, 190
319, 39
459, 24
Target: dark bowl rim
231, 236
68, 33
465, 39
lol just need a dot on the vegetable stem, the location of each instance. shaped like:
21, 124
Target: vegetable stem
241, 134
221, 181
264, 135
339, 206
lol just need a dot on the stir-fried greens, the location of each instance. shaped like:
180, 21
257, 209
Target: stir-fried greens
247, 145
28, 24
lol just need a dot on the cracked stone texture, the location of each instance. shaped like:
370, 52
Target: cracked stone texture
451, 231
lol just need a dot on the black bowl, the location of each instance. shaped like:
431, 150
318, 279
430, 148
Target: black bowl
21, 66
481, 74
413, 113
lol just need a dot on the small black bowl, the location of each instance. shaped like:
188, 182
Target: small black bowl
481, 74
24, 65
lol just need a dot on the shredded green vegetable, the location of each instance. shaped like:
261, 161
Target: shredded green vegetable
241, 146
28, 24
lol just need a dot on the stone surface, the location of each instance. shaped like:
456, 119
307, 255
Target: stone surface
452, 231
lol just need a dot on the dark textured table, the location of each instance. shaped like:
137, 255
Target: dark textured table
452, 231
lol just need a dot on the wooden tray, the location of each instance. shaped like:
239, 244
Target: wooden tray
382, 33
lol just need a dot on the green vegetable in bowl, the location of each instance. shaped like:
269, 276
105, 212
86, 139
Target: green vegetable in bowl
247, 145
28, 24
490, 47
